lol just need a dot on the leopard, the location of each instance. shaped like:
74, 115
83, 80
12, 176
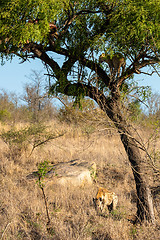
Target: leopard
115, 62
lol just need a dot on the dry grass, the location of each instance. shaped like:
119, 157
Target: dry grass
22, 209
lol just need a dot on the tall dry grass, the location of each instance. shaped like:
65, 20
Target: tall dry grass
72, 213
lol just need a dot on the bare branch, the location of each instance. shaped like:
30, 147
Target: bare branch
150, 74
45, 141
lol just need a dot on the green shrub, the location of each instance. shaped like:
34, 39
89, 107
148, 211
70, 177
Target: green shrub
4, 115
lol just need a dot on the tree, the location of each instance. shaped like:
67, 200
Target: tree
153, 104
8, 106
103, 44
36, 97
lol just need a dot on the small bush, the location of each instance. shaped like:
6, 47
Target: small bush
18, 141
4, 115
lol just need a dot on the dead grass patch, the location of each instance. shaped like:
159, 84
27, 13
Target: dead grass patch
72, 213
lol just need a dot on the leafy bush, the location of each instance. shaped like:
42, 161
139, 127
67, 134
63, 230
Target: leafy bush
4, 115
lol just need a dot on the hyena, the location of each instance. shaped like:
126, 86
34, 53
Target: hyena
105, 200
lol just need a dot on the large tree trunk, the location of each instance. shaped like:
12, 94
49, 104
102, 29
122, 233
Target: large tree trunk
144, 198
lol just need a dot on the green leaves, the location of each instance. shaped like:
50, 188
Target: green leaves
130, 23
135, 23
43, 168
24, 21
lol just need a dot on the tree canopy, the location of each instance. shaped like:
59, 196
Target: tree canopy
79, 31
122, 24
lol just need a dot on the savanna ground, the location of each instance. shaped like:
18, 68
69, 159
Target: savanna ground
71, 210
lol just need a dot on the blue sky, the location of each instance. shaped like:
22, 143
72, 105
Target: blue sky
12, 76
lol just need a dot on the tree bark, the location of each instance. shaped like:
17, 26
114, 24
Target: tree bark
144, 198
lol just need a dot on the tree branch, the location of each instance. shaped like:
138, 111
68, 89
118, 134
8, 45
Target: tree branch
73, 15
96, 67
67, 65
41, 54
136, 69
